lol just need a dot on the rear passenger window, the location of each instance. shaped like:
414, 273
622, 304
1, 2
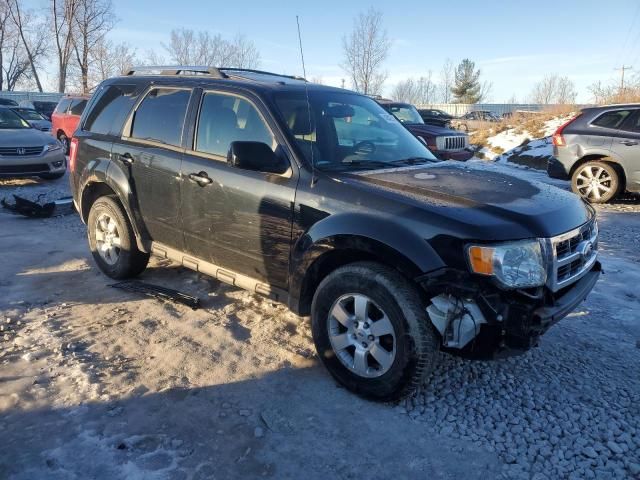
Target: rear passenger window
225, 119
160, 116
612, 119
77, 106
633, 123
109, 111
63, 105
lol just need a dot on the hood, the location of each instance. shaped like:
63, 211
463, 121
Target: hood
41, 124
24, 137
487, 201
434, 130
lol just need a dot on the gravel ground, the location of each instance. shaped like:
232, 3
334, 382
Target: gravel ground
98, 383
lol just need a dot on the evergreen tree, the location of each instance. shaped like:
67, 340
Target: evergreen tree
467, 87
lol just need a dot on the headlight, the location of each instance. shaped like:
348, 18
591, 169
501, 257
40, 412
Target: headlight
514, 265
52, 147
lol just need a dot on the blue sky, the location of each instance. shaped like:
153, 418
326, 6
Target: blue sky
514, 43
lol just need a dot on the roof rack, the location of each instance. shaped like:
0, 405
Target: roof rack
260, 72
178, 70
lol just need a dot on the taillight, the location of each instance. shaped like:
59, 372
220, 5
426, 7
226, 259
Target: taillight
73, 153
558, 139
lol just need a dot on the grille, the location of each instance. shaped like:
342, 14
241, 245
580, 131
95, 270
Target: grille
18, 151
572, 255
457, 142
19, 169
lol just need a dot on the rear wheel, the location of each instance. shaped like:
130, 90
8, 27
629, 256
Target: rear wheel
112, 241
596, 182
371, 331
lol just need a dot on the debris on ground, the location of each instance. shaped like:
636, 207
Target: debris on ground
28, 208
161, 293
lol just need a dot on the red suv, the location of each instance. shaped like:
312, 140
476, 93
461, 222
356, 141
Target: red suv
65, 118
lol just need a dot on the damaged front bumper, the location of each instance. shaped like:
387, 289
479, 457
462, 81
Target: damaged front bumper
487, 324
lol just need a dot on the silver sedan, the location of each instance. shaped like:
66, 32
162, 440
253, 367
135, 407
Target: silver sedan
26, 151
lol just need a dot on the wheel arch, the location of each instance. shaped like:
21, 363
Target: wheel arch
333, 252
601, 157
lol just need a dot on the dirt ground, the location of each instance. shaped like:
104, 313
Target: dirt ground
100, 383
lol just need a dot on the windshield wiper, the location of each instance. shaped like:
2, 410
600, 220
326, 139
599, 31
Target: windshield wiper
412, 161
365, 163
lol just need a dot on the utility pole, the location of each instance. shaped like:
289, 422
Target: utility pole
622, 70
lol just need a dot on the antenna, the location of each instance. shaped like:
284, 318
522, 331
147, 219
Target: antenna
314, 179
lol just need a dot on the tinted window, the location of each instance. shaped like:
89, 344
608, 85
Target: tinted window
63, 105
28, 114
160, 116
633, 123
109, 110
226, 118
611, 119
77, 106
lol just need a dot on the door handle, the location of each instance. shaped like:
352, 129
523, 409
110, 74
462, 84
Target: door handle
629, 143
200, 178
126, 158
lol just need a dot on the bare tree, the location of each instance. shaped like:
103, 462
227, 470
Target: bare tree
187, 47
447, 78
421, 91
365, 50
110, 59
554, 89
611, 93
486, 88
31, 36
93, 20
63, 15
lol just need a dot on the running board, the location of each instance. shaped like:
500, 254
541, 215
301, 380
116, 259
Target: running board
224, 275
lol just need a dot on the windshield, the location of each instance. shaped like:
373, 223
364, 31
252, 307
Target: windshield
29, 114
348, 131
8, 120
406, 113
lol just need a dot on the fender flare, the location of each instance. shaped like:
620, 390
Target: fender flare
104, 172
374, 236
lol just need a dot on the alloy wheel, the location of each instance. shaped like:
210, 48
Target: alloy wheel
107, 238
593, 182
361, 335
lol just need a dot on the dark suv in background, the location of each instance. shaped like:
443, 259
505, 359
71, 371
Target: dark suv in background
433, 116
444, 143
599, 151
319, 198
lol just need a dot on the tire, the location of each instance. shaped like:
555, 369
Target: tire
410, 348
117, 260
52, 176
596, 182
64, 140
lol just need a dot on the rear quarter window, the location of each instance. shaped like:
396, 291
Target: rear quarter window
110, 110
77, 106
612, 119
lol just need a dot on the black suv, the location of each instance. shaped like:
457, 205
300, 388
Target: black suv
599, 150
319, 198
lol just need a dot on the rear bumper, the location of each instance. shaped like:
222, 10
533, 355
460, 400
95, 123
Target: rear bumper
555, 169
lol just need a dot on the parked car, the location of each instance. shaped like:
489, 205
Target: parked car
27, 152
65, 118
35, 119
319, 198
433, 116
7, 102
475, 120
444, 143
599, 151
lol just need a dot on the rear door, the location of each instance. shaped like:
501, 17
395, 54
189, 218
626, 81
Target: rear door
626, 147
238, 219
58, 115
72, 119
150, 149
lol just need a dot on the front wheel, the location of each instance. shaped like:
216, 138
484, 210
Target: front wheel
596, 182
112, 241
371, 331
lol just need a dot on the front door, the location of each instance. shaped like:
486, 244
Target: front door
626, 147
238, 219
150, 150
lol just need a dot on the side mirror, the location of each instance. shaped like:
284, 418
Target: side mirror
256, 156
